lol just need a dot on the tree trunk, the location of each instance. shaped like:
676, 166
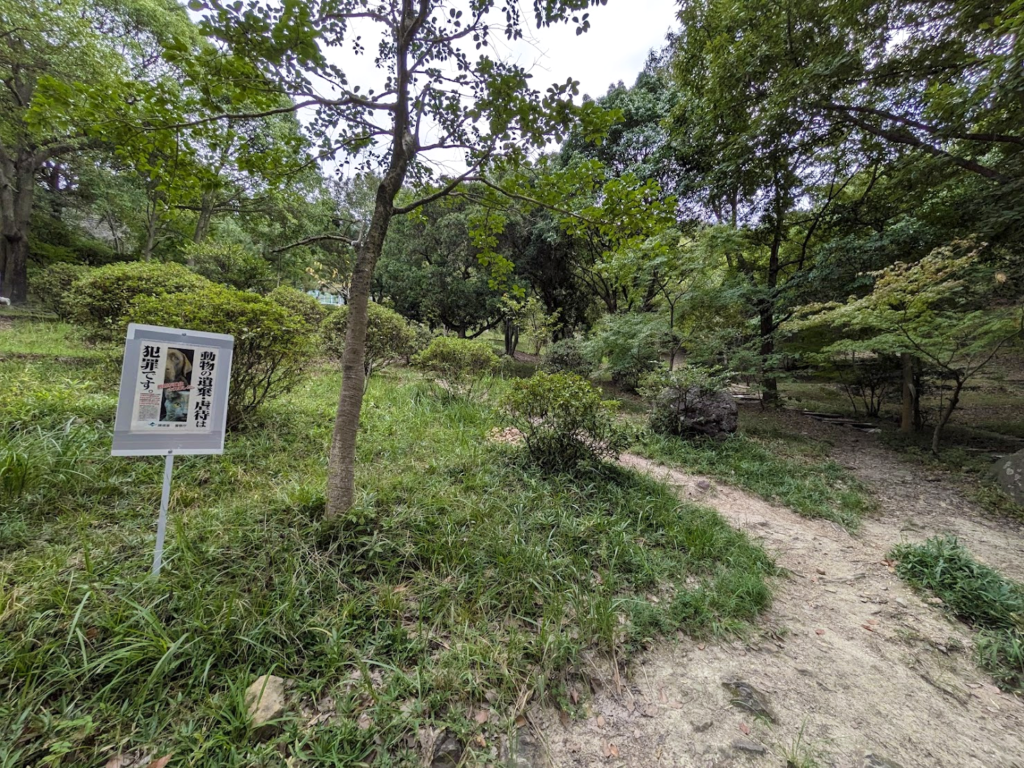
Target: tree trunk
16, 208
945, 415
769, 384
511, 337
203, 222
341, 468
909, 393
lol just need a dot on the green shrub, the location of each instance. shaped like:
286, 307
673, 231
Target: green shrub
272, 345
629, 346
567, 356
301, 304
563, 419
229, 264
101, 299
457, 365
52, 286
421, 338
388, 337
976, 594
680, 392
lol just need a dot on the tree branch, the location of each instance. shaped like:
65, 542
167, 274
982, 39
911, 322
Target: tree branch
315, 239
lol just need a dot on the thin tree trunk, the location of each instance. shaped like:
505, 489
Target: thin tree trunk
203, 222
945, 416
909, 393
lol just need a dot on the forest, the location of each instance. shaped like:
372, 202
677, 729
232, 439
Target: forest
530, 386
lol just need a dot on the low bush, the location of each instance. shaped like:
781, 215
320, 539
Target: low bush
273, 346
229, 264
52, 286
457, 365
628, 346
388, 337
682, 395
100, 300
974, 593
300, 303
567, 356
564, 421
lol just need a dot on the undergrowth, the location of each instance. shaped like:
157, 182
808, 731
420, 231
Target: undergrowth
976, 594
462, 576
777, 466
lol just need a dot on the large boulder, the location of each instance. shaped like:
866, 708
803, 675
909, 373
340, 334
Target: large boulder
695, 412
1010, 475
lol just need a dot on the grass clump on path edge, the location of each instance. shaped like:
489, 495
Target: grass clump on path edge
461, 577
780, 468
976, 594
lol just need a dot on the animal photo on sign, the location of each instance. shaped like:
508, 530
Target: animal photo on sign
176, 386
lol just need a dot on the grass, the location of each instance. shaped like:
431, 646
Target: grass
976, 594
462, 576
775, 464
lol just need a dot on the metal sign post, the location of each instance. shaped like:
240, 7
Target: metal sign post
173, 400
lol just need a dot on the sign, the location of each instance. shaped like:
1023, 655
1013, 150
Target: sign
173, 400
174, 392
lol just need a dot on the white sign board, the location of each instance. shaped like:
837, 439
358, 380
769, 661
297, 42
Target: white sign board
174, 392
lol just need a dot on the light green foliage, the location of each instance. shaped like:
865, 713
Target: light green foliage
628, 346
672, 392
564, 421
976, 594
388, 337
52, 287
568, 356
300, 303
535, 324
457, 365
256, 580
273, 346
101, 299
228, 264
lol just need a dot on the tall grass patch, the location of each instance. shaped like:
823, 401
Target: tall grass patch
976, 594
462, 576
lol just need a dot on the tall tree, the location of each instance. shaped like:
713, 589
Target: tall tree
441, 90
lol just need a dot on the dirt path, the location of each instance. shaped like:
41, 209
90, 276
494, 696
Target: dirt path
852, 662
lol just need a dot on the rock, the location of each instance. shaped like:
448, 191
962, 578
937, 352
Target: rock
701, 727
1010, 476
704, 485
526, 752
901, 603
745, 696
748, 746
266, 704
695, 413
447, 751
874, 761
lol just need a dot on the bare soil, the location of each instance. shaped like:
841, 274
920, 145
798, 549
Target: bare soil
853, 663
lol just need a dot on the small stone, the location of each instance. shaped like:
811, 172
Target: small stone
447, 751
704, 485
701, 727
745, 696
265, 702
748, 746
901, 603
875, 761
934, 601
820, 571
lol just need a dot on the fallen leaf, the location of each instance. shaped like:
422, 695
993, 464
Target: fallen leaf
482, 716
600, 721
868, 628
364, 722
819, 631
491, 696
662, 696
701, 647
161, 762
574, 695
480, 740
520, 722
563, 718
611, 750
745, 728
631, 706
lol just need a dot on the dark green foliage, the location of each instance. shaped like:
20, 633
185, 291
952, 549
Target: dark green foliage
671, 393
273, 346
975, 593
567, 356
52, 287
101, 299
457, 365
388, 337
629, 346
564, 421
229, 264
299, 303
